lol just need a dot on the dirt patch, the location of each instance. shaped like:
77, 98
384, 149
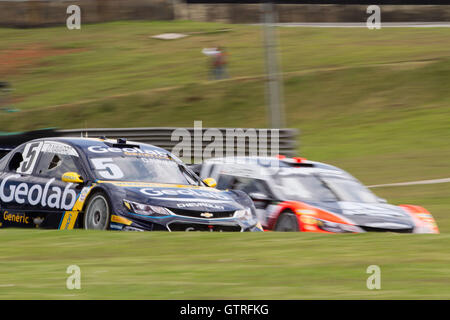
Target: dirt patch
15, 60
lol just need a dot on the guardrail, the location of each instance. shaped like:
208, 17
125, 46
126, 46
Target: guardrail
269, 141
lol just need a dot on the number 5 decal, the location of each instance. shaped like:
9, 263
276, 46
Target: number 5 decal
30, 155
107, 168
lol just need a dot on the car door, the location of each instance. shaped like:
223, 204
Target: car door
13, 190
57, 203
32, 192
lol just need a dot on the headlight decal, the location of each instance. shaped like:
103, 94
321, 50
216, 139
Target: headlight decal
243, 214
337, 227
146, 209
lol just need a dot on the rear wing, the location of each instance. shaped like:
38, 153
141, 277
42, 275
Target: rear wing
8, 141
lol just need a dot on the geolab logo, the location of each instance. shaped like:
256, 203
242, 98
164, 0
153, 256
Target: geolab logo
131, 150
36, 194
153, 192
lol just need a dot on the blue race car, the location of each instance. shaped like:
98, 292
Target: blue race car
101, 184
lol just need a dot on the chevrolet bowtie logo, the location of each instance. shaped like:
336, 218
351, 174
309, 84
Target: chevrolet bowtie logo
206, 215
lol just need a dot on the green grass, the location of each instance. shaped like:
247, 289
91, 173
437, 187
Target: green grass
222, 266
118, 265
110, 58
375, 103
434, 197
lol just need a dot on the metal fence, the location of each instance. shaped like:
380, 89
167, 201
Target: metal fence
241, 140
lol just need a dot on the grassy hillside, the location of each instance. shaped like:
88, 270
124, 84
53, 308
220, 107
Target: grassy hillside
374, 102
56, 66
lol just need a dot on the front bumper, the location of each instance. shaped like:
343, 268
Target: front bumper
135, 222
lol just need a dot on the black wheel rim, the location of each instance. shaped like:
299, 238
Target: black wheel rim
287, 222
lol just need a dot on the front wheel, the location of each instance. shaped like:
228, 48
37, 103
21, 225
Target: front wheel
98, 214
287, 222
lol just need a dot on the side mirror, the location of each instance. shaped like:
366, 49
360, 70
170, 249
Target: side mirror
72, 177
382, 200
210, 182
257, 196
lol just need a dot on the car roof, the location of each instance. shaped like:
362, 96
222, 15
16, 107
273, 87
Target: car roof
271, 161
262, 166
84, 143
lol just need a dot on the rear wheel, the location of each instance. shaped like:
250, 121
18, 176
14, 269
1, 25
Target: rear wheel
97, 215
287, 222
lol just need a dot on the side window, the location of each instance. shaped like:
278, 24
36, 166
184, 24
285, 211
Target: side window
245, 184
249, 185
52, 165
225, 182
15, 161
253, 186
196, 168
208, 172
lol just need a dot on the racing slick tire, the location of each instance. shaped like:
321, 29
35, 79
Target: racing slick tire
287, 222
98, 213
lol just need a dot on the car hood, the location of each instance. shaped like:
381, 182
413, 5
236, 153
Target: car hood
374, 216
183, 197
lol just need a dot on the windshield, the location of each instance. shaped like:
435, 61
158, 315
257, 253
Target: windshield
349, 190
323, 188
304, 187
142, 169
